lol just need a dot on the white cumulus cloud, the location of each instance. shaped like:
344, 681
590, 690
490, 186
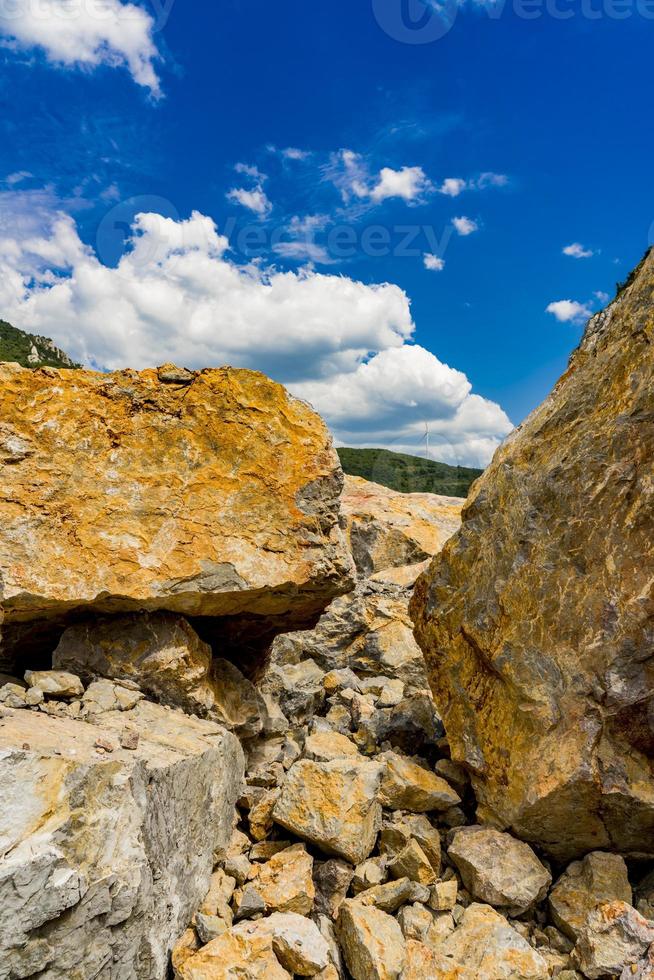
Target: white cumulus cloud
86, 35
433, 262
176, 296
254, 199
569, 310
465, 226
409, 183
577, 251
453, 186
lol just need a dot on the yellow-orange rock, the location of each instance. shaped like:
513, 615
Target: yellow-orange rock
387, 529
537, 619
209, 494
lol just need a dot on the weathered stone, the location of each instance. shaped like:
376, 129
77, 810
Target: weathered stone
209, 927
106, 857
285, 882
400, 829
265, 849
536, 617
57, 683
369, 630
297, 688
372, 942
412, 863
104, 695
614, 937
187, 944
332, 880
333, 805
16, 696
260, 818
246, 902
455, 774
584, 885
218, 896
392, 894
234, 955
443, 895
406, 785
387, 529
422, 962
164, 654
296, 940
498, 869
369, 873
237, 867
330, 745
217, 498
485, 947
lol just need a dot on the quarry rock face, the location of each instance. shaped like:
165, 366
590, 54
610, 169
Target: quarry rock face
537, 619
211, 494
106, 852
387, 529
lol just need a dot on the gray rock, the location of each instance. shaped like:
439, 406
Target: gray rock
76, 894
498, 869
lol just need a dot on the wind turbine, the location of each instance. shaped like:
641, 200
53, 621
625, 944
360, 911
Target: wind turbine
425, 439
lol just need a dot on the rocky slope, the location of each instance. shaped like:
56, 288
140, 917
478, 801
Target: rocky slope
340, 839
537, 620
30, 350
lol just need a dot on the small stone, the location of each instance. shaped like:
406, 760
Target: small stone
234, 955
402, 828
247, 902
335, 680
390, 896
369, 873
260, 819
412, 863
614, 937
59, 682
339, 718
170, 374
498, 869
415, 921
584, 885
391, 694
104, 743
286, 881
333, 805
442, 896
218, 897
13, 696
238, 867
372, 942
265, 849
209, 927
129, 739
327, 746
332, 880
406, 785
33, 696
296, 940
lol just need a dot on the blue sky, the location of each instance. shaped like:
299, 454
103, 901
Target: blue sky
292, 158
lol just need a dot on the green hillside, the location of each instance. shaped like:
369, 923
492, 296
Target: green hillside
409, 474
30, 350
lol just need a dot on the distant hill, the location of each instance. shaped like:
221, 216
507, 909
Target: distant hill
30, 350
408, 474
